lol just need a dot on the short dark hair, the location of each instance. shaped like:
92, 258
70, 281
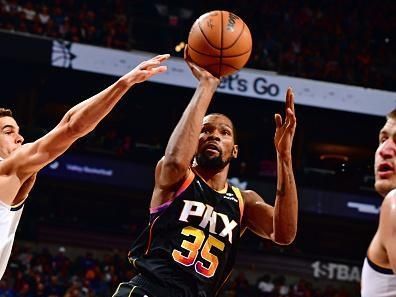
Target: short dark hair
391, 115
4, 112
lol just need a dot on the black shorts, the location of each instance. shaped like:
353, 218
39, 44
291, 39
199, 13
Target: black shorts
128, 289
141, 286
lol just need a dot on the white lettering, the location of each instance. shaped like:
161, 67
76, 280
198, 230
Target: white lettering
210, 217
336, 271
355, 274
229, 226
343, 272
187, 211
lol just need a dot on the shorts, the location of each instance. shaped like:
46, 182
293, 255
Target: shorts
130, 290
141, 286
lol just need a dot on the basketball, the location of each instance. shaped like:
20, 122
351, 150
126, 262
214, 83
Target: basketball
220, 42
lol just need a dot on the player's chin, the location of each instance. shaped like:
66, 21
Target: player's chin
384, 186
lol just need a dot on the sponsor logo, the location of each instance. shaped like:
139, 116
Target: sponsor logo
231, 22
336, 271
61, 54
230, 196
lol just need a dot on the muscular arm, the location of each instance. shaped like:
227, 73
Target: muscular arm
173, 167
387, 228
77, 122
286, 204
278, 223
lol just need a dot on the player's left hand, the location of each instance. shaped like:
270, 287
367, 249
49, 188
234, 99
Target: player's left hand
285, 130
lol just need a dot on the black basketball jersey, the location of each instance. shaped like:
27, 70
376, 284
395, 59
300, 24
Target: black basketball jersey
190, 245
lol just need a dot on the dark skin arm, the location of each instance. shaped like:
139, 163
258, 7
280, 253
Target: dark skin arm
278, 223
173, 168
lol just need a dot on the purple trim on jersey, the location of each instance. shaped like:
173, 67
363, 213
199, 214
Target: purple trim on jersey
182, 188
160, 207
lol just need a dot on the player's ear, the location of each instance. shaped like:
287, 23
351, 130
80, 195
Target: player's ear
235, 151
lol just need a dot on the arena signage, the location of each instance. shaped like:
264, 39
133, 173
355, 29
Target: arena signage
247, 82
336, 271
110, 172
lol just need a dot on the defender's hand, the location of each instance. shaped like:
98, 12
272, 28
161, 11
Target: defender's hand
146, 69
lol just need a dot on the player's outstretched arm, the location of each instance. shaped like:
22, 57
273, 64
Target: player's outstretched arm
78, 121
278, 223
181, 147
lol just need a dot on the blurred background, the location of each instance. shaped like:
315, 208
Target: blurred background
89, 205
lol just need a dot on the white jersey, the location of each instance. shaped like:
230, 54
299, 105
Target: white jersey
9, 219
377, 281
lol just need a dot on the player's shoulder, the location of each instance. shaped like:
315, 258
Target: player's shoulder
248, 192
389, 202
388, 210
250, 195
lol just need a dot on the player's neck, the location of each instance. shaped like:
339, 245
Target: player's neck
217, 180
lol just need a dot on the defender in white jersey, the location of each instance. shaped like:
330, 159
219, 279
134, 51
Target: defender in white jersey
20, 163
379, 268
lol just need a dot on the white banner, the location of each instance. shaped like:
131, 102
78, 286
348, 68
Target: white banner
247, 82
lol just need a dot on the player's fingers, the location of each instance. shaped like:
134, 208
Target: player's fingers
291, 116
149, 64
186, 56
291, 103
278, 120
159, 69
291, 123
288, 94
162, 58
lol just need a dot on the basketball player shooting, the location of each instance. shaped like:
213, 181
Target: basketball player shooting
21, 162
196, 217
379, 268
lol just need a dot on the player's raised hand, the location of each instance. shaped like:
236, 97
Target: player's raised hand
286, 128
147, 69
200, 73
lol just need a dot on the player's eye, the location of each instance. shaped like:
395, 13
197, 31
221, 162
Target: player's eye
382, 139
205, 130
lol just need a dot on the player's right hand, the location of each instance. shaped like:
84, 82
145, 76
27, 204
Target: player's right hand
147, 69
200, 73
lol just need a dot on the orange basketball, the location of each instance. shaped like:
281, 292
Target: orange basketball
220, 42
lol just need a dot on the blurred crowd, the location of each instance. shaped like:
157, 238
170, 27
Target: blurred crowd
340, 41
103, 24
56, 274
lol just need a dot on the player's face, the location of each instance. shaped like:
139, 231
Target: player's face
10, 139
385, 159
216, 145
